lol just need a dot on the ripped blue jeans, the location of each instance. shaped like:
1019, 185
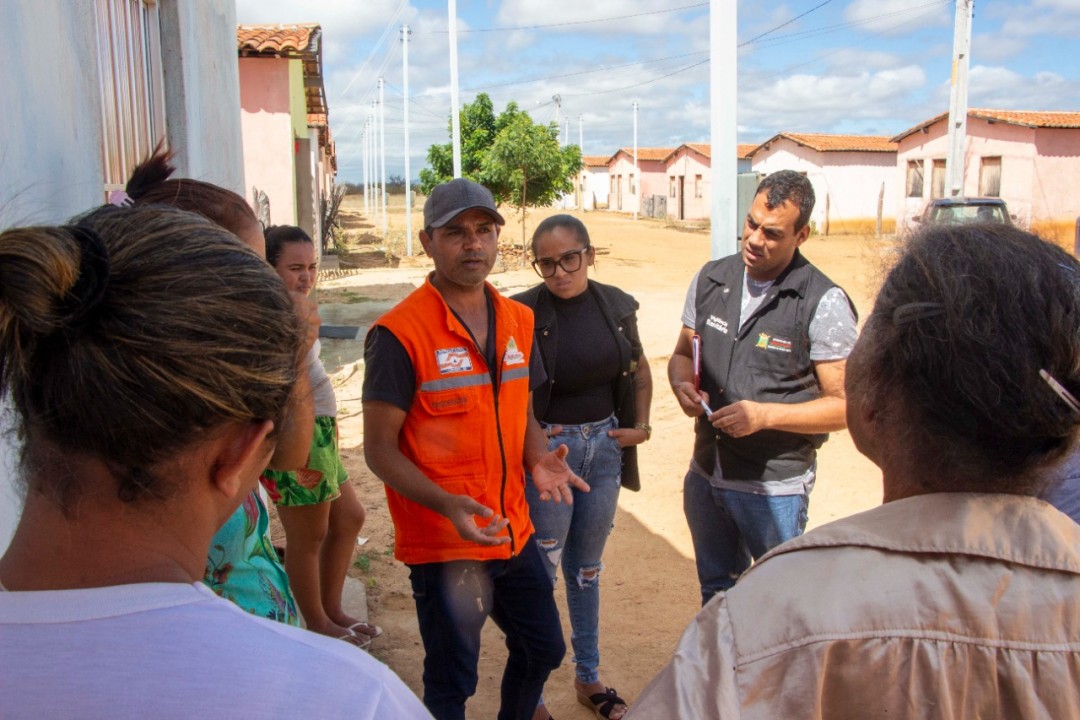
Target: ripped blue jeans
574, 536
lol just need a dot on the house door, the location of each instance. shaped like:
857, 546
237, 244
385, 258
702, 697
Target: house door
619, 198
682, 198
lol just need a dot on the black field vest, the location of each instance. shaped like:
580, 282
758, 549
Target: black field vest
768, 360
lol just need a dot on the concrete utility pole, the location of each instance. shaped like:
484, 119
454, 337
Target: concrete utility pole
581, 133
408, 182
637, 173
455, 119
376, 190
558, 107
723, 102
367, 190
958, 98
382, 154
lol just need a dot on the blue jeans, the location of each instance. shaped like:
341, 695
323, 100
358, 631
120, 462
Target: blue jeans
574, 535
454, 599
731, 528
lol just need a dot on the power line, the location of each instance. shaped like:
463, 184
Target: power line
784, 24
585, 72
646, 82
378, 45
572, 22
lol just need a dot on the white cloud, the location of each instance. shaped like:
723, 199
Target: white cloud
1001, 88
642, 17
896, 15
816, 103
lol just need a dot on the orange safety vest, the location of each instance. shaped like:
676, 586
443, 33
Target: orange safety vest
464, 433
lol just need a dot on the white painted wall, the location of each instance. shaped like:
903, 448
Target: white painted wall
852, 180
50, 139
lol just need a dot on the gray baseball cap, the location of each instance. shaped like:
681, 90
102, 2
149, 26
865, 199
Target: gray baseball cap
450, 199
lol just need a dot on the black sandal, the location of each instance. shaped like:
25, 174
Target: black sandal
602, 703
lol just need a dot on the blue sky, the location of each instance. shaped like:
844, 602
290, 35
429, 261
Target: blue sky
836, 66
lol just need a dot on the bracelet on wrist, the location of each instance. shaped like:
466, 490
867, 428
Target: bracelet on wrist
646, 427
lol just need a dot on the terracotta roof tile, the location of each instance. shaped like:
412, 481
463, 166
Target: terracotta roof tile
1030, 118
1027, 118
283, 40
595, 160
644, 153
706, 149
838, 143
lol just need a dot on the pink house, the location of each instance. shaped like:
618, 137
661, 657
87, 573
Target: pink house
851, 174
1029, 159
631, 189
288, 150
689, 172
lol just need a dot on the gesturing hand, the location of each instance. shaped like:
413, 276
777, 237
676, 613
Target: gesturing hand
554, 478
462, 510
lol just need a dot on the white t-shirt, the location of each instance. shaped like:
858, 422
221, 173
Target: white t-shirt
832, 334
171, 650
322, 390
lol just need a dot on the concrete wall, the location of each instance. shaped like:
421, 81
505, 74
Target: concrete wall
51, 164
1056, 175
596, 186
848, 182
268, 140
202, 90
685, 166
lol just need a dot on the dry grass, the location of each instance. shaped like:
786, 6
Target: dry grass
862, 226
1060, 232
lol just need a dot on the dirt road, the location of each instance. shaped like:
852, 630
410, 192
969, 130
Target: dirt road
649, 586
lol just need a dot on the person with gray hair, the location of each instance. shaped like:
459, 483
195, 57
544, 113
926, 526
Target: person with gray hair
959, 597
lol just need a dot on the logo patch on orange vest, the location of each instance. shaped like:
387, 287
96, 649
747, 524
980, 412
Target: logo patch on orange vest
453, 360
513, 356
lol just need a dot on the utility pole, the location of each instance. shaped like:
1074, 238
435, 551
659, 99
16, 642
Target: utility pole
455, 119
637, 173
375, 188
558, 107
367, 190
382, 155
958, 98
581, 133
408, 182
723, 101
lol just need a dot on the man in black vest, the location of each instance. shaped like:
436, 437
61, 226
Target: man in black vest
773, 334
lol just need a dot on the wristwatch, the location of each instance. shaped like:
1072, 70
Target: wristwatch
646, 427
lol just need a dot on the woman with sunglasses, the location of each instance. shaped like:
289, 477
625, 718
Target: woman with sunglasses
596, 401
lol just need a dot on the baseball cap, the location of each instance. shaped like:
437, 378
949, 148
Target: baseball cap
450, 199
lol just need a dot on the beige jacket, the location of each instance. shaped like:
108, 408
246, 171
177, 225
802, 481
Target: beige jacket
938, 606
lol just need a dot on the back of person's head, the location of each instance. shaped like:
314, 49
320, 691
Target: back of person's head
789, 186
953, 350
277, 236
130, 335
567, 222
151, 183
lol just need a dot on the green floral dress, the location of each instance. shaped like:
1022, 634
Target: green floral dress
243, 566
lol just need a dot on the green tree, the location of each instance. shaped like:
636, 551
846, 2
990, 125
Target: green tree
478, 129
525, 166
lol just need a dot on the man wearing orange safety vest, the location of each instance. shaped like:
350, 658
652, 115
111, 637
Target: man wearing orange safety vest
449, 428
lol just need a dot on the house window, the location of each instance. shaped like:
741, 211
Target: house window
937, 180
672, 185
990, 177
633, 187
697, 186
132, 99
614, 184
915, 178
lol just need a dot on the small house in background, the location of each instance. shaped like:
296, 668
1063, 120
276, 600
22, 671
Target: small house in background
593, 183
689, 174
288, 149
644, 188
1030, 159
852, 175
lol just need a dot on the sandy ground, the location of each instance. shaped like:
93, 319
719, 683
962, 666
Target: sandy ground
649, 586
